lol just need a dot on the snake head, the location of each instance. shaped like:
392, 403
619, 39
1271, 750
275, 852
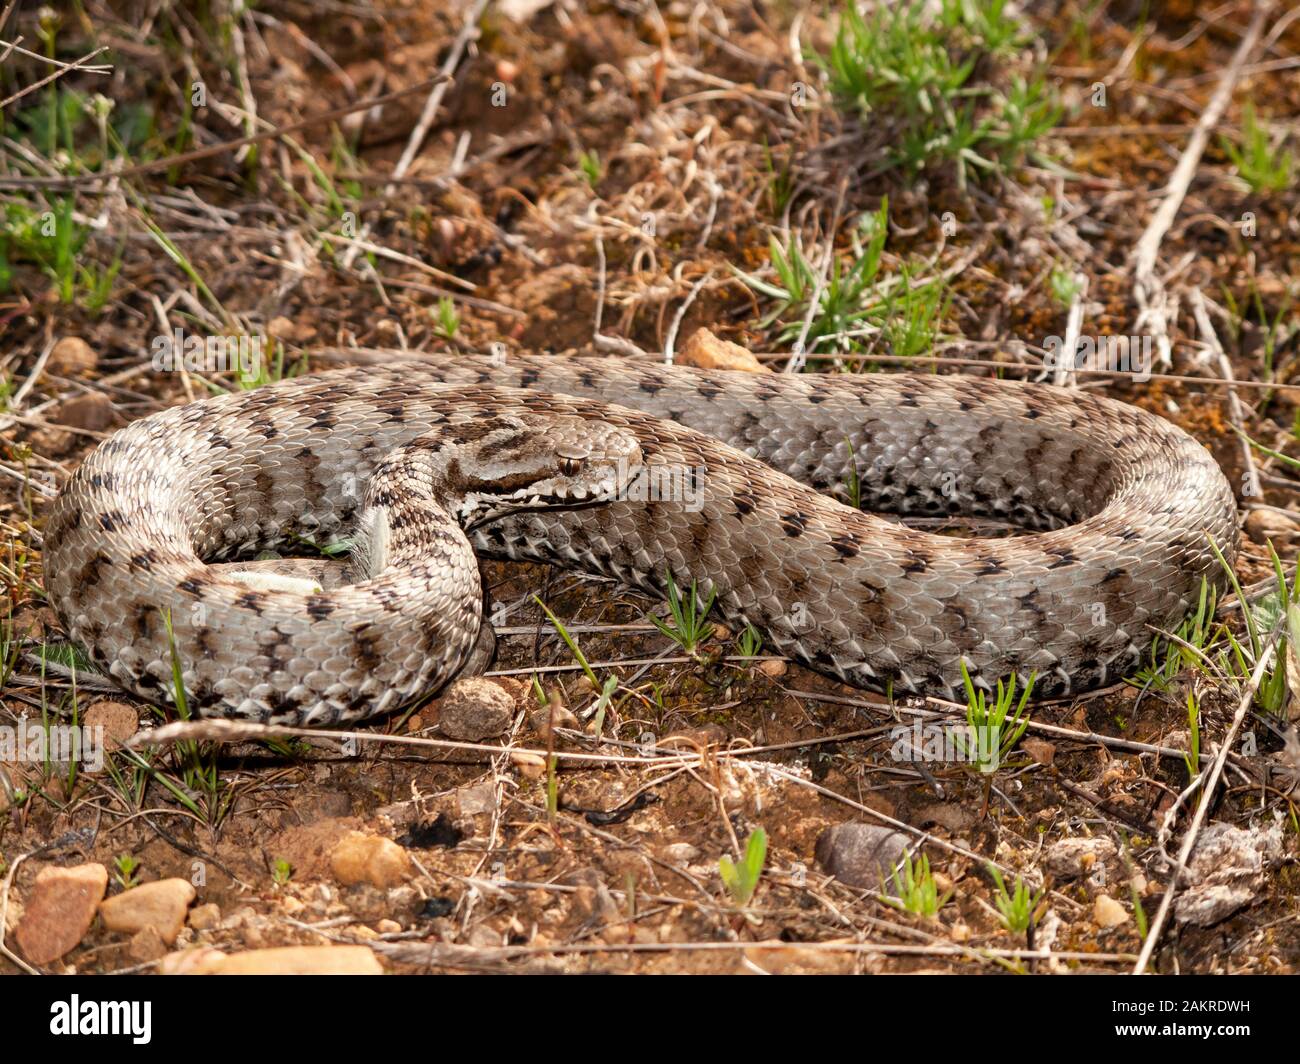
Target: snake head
540, 462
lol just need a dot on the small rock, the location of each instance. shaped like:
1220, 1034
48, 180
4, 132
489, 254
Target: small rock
773, 668
118, 721
541, 719
205, 917
1265, 525
373, 859
1069, 858
530, 766
388, 927
72, 356
483, 937
1226, 852
1226, 869
1039, 749
162, 905
474, 709
861, 855
398, 816
283, 328
59, 911
952, 816
682, 853
93, 411
706, 351
476, 800
295, 960
146, 945
1207, 905
1107, 912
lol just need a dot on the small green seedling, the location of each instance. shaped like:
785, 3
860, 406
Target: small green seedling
993, 728
448, 318
689, 627
125, 867
1065, 286
1260, 161
741, 880
915, 890
1192, 759
749, 642
1017, 906
589, 164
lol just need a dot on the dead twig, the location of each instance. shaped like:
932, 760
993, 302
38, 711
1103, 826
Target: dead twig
1154, 305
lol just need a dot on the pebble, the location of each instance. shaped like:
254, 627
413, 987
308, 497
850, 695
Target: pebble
1208, 905
540, 721
476, 800
60, 911
118, 721
283, 328
72, 356
860, 855
92, 411
162, 905
359, 858
1226, 870
474, 709
530, 766
1265, 525
146, 945
1107, 912
1039, 749
1069, 858
205, 917
706, 351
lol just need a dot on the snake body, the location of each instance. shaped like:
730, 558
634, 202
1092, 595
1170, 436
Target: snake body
1118, 506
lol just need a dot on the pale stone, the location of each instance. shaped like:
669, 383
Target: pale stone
359, 858
162, 905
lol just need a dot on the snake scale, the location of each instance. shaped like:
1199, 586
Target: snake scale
552, 459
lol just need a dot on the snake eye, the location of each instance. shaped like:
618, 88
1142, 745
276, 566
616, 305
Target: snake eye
570, 466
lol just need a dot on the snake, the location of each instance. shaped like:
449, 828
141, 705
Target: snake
785, 497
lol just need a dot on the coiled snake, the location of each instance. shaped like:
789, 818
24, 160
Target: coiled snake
632, 471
